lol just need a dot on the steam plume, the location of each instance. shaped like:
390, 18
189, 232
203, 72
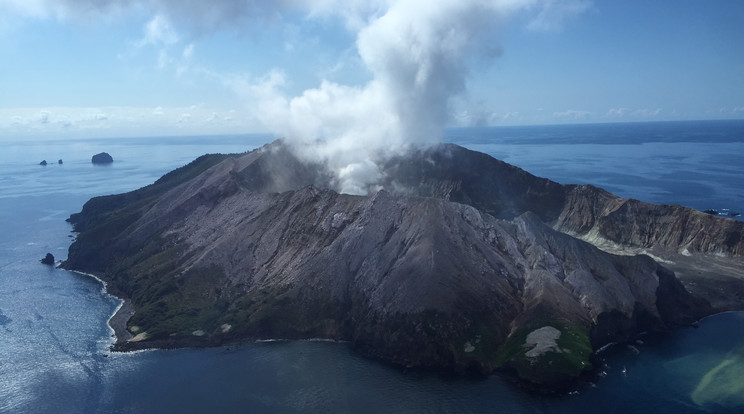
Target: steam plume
418, 53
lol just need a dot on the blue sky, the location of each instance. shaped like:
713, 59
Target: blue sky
164, 67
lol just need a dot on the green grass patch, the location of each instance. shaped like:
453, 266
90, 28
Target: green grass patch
481, 342
184, 304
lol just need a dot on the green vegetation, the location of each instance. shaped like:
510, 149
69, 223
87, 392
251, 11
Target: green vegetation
178, 306
280, 312
574, 358
171, 305
480, 343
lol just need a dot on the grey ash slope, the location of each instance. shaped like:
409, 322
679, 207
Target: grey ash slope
451, 266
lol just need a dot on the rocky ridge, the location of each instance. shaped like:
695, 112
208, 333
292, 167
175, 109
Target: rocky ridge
454, 265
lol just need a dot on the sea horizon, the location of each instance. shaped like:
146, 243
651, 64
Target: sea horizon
447, 130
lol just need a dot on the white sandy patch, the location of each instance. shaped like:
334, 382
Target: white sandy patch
542, 340
139, 337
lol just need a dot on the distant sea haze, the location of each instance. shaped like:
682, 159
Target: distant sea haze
55, 340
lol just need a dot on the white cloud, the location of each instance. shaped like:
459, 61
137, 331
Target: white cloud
163, 59
504, 117
36, 121
159, 31
104, 122
184, 118
64, 9
572, 114
554, 14
188, 51
632, 113
480, 118
648, 112
43, 117
617, 112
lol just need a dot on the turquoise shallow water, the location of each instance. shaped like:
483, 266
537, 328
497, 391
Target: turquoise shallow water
54, 339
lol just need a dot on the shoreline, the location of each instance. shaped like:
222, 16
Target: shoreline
117, 322
121, 337
121, 343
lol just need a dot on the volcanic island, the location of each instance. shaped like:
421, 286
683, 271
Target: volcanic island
455, 261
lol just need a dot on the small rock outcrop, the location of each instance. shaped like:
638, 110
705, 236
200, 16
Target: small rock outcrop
48, 259
43, 162
102, 158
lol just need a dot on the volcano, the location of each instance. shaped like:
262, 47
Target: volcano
460, 262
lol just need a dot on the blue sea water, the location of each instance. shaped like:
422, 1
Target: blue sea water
54, 339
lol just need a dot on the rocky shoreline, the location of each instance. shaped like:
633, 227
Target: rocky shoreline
123, 343
118, 322
120, 318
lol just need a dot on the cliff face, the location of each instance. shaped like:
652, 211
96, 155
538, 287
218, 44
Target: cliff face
670, 229
454, 265
704, 251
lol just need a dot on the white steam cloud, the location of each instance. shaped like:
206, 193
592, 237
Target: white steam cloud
418, 53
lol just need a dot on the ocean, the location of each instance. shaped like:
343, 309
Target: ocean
54, 339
